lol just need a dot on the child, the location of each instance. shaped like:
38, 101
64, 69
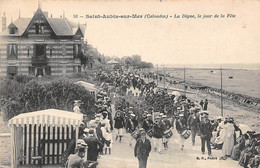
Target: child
108, 138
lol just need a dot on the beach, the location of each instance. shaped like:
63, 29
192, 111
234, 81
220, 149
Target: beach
245, 82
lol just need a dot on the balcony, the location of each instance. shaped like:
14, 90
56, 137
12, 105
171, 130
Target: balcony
39, 60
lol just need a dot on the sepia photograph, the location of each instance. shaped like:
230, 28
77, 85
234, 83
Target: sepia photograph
129, 83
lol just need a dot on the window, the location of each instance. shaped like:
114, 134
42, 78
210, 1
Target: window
76, 50
12, 71
63, 49
79, 68
79, 48
51, 52
39, 29
40, 49
12, 51
28, 52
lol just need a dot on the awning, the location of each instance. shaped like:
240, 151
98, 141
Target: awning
48, 117
112, 62
88, 86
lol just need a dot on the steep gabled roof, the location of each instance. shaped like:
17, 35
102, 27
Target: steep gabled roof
64, 27
60, 26
12, 25
39, 11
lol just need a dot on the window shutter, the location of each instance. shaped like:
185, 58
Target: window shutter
34, 50
79, 48
44, 50
8, 52
31, 70
74, 50
48, 70
16, 51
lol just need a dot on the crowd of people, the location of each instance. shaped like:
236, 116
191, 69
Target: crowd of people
150, 115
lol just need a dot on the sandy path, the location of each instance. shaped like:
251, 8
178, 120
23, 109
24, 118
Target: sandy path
123, 156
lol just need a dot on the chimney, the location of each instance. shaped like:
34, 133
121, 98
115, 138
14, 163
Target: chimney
3, 22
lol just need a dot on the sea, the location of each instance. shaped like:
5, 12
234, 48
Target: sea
237, 78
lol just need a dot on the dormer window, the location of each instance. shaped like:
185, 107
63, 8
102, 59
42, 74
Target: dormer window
12, 31
12, 28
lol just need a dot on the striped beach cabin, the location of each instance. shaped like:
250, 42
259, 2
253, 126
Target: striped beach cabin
43, 137
41, 45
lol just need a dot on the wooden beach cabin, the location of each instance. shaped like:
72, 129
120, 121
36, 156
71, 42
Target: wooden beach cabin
90, 87
42, 137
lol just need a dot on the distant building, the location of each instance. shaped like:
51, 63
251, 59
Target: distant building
40, 45
136, 59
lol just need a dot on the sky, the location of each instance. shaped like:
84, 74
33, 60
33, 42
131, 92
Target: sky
161, 41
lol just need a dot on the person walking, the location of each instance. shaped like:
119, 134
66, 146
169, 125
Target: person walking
119, 125
166, 126
181, 125
205, 133
142, 150
94, 145
201, 103
229, 140
131, 126
192, 123
205, 107
157, 135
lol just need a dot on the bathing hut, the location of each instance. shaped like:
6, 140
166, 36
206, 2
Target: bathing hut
42, 137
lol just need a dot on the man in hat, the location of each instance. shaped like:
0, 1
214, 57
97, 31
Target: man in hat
119, 125
157, 134
76, 160
192, 124
94, 146
148, 123
166, 126
205, 106
99, 135
205, 133
181, 125
142, 150
131, 126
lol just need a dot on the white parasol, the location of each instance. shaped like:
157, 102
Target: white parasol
244, 128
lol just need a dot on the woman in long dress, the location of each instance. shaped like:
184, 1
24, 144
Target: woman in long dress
228, 131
